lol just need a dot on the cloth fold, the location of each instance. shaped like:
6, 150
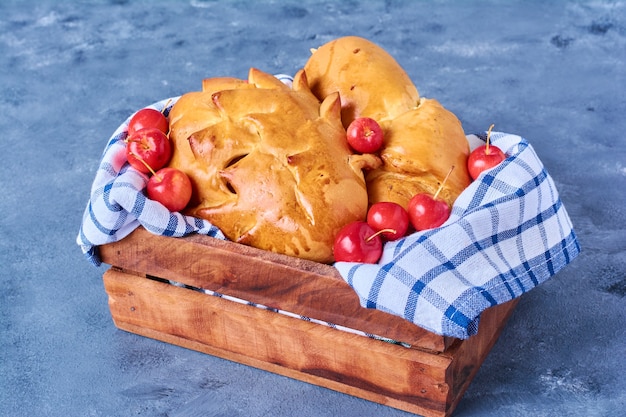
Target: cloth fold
118, 205
508, 232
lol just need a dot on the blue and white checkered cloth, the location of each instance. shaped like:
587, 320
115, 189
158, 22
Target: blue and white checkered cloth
507, 233
118, 205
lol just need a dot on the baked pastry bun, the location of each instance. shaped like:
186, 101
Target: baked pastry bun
423, 140
369, 81
269, 164
421, 146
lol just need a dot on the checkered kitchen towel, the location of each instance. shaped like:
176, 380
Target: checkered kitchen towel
508, 232
117, 204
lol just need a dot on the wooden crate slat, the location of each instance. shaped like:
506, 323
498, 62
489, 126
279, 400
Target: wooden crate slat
427, 379
295, 285
277, 343
423, 382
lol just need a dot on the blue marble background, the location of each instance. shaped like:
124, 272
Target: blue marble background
71, 72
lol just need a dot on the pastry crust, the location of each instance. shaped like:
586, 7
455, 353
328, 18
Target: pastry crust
369, 81
269, 164
423, 140
421, 146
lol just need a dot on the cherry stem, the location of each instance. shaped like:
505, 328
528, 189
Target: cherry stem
488, 136
380, 232
443, 182
146, 164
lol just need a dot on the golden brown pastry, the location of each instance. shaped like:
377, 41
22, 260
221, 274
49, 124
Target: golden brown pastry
421, 146
423, 140
269, 164
369, 81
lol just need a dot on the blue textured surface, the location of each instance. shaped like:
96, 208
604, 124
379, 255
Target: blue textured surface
71, 72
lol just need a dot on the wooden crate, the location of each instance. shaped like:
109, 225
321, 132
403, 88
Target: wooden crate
427, 378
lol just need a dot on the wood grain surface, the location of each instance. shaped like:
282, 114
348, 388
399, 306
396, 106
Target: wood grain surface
299, 286
424, 382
